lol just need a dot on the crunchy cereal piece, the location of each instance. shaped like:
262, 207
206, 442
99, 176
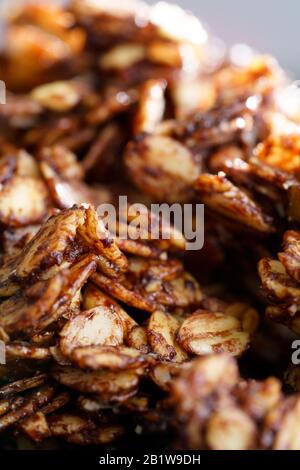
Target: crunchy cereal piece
281, 152
278, 285
97, 326
161, 331
108, 357
151, 106
247, 315
88, 404
65, 193
101, 435
27, 309
21, 350
40, 40
183, 291
164, 373
227, 123
260, 76
13, 211
57, 96
192, 95
151, 228
116, 289
4, 336
156, 163
100, 382
152, 285
21, 181
94, 233
122, 57
58, 402
228, 200
58, 243
55, 235
259, 397
23, 384
229, 414
281, 425
230, 429
287, 314
290, 257
208, 370
63, 161
15, 239
10, 404
45, 301
207, 332
115, 101
177, 24
101, 154
66, 424
137, 338
36, 400
36, 427
93, 297
20, 111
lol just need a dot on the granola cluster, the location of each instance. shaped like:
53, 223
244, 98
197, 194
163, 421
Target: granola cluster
125, 341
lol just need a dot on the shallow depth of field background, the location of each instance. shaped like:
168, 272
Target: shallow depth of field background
268, 25
271, 26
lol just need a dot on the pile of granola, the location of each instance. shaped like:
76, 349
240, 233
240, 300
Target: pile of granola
136, 341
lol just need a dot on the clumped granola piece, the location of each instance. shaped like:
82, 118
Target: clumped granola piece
102, 320
280, 282
220, 195
152, 285
229, 414
282, 152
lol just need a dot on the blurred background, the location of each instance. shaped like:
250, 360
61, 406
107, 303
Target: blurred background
267, 25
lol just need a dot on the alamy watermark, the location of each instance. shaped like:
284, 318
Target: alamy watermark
159, 222
2, 92
296, 354
2, 353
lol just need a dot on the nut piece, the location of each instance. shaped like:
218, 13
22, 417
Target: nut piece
206, 333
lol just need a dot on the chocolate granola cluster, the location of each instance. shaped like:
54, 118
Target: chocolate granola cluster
135, 339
